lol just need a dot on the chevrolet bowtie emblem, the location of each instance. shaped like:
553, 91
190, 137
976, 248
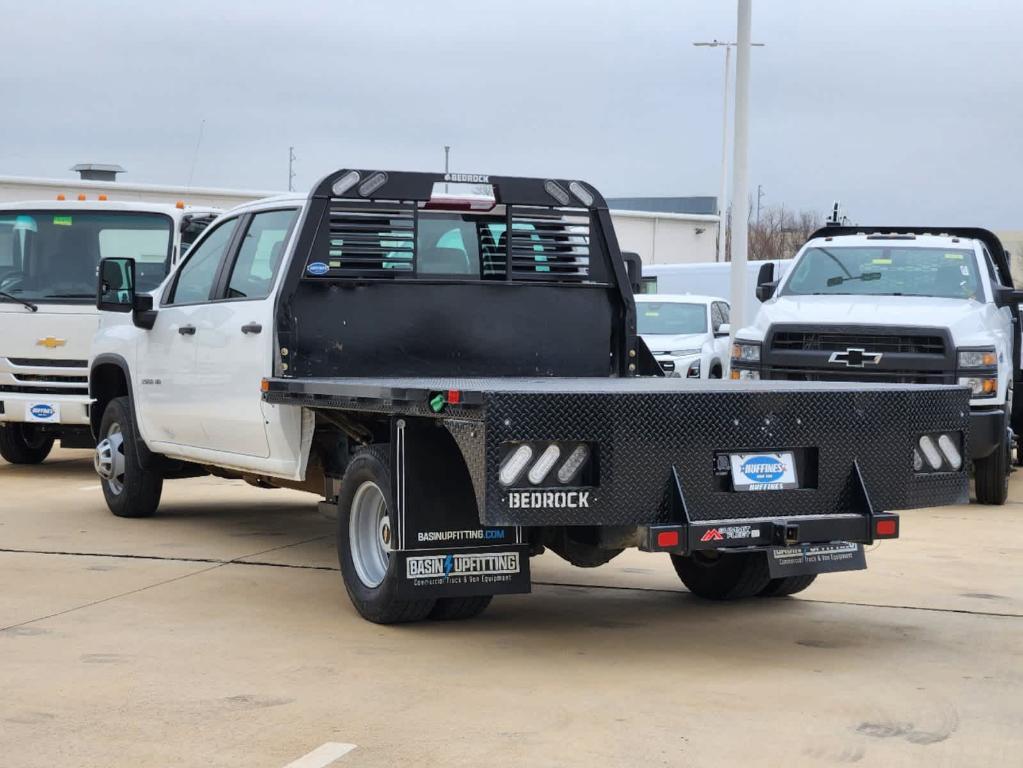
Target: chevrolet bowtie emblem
51, 342
855, 358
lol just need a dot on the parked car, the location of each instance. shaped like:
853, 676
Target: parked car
902, 306
687, 334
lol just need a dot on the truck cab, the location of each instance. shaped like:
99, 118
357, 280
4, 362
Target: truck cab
49, 253
901, 306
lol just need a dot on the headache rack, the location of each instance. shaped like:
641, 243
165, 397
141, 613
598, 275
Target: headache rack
400, 273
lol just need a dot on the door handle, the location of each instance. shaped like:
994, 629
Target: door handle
252, 328
186, 330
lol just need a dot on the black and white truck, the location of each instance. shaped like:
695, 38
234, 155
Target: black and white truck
462, 378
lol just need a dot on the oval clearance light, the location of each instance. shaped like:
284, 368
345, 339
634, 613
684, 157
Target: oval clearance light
930, 452
573, 463
581, 192
345, 183
556, 191
544, 464
514, 464
372, 184
951, 451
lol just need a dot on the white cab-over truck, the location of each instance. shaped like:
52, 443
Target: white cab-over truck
899, 305
49, 253
462, 380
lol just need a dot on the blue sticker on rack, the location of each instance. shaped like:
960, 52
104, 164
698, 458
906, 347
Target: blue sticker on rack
317, 268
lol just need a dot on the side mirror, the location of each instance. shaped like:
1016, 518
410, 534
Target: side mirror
634, 266
766, 290
766, 273
115, 291
1007, 297
725, 329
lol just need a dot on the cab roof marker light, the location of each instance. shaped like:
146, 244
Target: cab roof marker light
930, 452
514, 464
62, 196
372, 184
951, 451
544, 464
582, 193
345, 183
573, 463
556, 191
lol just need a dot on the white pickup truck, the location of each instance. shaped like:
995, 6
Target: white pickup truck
899, 305
687, 334
462, 380
49, 252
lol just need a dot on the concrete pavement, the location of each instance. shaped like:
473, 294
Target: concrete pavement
218, 634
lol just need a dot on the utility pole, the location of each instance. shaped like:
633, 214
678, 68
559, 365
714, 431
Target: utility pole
760, 194
291, 171
447, 154
740, 167
723, 186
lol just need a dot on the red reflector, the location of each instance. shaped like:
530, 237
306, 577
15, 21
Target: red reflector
454, 397
885, 527
667, 539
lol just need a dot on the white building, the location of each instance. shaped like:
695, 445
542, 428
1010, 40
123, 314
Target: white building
658, 237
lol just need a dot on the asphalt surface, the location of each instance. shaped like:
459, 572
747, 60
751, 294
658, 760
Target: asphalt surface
218, 634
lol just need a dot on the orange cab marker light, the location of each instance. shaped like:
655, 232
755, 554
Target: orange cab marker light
264, 385
61, 197
180, 204
81, 197
102, 197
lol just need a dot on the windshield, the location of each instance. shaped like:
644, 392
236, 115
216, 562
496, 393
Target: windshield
671, 318
886, 271
54, 254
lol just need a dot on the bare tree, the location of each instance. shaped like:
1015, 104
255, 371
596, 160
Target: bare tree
778, 234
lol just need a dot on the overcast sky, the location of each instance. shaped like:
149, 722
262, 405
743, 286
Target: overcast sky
907, 111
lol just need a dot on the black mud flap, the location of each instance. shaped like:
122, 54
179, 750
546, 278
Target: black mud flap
442, 548
806, 559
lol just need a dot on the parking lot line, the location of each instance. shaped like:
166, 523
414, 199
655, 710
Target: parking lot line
323, 755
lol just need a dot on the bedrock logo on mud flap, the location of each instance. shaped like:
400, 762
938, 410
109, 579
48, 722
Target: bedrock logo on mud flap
548, 499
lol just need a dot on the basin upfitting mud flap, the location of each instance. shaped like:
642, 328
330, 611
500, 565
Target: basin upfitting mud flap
442, 549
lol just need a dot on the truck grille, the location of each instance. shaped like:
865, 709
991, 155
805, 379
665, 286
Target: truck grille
895, 355
927, 345
41, 376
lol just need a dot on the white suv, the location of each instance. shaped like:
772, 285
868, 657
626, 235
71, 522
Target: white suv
909, 306
687, 334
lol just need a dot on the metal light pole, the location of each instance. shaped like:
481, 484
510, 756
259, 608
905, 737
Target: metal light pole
291, 172
723, 186
740, 168
447, 153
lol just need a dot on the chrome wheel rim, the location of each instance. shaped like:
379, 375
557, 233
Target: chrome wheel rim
369, 534
109, 459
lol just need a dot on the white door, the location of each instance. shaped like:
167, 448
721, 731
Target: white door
166, 383
235, 351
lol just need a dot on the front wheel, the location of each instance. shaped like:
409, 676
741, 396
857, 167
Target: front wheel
715, 575
129, 488
365, 540
992, 476
24, 443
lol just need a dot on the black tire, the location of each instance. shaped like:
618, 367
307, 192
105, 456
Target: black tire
991, 475
379, 604
723, 576
786, 586
456, 608
24, 444
135, 492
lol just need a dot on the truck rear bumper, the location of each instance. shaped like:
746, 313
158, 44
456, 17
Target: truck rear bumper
987, 431
54, 410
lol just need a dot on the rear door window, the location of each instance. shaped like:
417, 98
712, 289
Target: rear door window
260, 254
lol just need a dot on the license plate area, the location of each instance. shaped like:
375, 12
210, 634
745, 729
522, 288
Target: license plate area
770, 469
